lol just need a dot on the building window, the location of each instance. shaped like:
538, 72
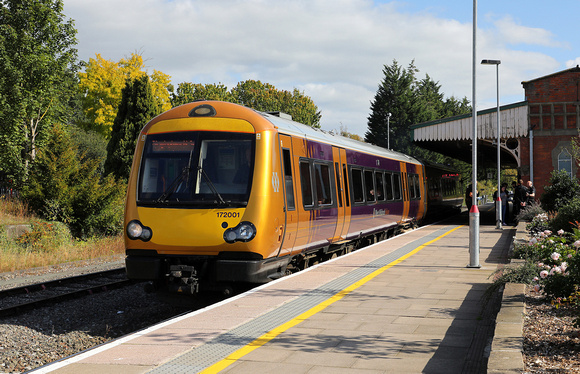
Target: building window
565, 162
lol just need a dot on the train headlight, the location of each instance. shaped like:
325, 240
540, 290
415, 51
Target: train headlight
136, 230
244, 232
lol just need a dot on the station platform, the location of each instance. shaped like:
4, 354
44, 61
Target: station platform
410, 304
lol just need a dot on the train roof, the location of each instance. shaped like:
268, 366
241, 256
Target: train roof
298, 129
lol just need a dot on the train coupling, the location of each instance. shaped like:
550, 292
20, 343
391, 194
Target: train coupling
183, 279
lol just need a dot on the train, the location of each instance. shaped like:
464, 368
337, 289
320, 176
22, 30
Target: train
221, 195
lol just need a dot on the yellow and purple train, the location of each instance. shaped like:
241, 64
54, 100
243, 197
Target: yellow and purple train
220, 194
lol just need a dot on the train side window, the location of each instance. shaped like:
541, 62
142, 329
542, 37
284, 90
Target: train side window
288, 179
346, 194
338, 184
322, 180
370, 186
306, 182
389, 185
411, 186
357, 185
397, 186
380, 186
417, 186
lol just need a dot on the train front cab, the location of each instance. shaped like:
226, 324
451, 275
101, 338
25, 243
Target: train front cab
187, 224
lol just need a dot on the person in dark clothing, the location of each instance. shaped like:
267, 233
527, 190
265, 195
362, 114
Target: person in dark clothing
520, 198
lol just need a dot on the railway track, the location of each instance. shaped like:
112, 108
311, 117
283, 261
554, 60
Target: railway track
21, 299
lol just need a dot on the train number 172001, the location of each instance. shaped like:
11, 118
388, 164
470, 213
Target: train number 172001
228, 214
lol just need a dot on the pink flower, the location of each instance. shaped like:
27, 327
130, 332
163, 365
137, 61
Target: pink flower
564, 266
569, 255
540, 264
576, 243
560, 232
544, 274
548, 232
536, 279
555, 256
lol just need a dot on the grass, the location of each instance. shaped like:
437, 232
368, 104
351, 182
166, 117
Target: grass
45, 243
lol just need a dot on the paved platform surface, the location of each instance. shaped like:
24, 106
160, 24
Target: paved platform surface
406, 305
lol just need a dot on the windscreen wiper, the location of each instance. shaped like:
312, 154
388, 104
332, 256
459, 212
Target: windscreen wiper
212, 186
173, 186
184, 175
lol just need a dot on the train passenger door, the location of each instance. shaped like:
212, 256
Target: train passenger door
343, 200
291, 224
405, 186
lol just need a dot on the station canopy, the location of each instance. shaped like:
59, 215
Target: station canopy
453, 136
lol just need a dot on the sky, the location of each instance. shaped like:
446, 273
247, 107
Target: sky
334, 51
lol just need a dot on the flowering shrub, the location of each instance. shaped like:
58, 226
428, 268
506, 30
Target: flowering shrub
556, 257
538, 224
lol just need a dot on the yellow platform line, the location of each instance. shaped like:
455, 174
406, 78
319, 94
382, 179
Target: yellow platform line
232, 358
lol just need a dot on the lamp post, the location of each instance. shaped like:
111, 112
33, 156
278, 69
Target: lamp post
388, 130
498, 200
474, 211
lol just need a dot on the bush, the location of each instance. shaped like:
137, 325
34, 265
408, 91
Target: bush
560, 191
529, 212
44, 236
566, 216
64, 188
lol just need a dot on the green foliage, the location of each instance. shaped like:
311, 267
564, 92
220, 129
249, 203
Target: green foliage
561, 190
63, 188
567, 215
521, 273
37, 78
44, 236
91, 146
409, 101
138, 106
256, 95
529, 213
188, 92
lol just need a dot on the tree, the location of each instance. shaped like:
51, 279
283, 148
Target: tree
37, 78
395, 95
256, 95
138, 106
63, 187
410, 101
188, 92
102, 82
266, 98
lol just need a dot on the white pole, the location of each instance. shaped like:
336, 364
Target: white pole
474, 212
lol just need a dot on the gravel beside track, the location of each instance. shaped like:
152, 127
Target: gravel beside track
42, 336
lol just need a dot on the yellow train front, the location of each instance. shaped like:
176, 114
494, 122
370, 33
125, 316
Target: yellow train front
220, 194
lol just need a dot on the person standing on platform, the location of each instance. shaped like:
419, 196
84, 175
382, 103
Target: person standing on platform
470, 197
520, 198
503, 195
531, 194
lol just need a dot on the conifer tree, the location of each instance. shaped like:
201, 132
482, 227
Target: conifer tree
138, 106
395, 95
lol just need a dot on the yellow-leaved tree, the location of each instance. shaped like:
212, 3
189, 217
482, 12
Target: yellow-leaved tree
101, 84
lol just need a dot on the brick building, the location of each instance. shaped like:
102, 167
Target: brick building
553, 119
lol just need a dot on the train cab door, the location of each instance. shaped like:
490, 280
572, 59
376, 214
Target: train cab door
291, 224
343, 201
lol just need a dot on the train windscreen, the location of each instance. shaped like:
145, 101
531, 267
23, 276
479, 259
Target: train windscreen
196, 168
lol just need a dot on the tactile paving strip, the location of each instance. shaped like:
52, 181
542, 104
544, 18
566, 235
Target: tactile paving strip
223, 345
